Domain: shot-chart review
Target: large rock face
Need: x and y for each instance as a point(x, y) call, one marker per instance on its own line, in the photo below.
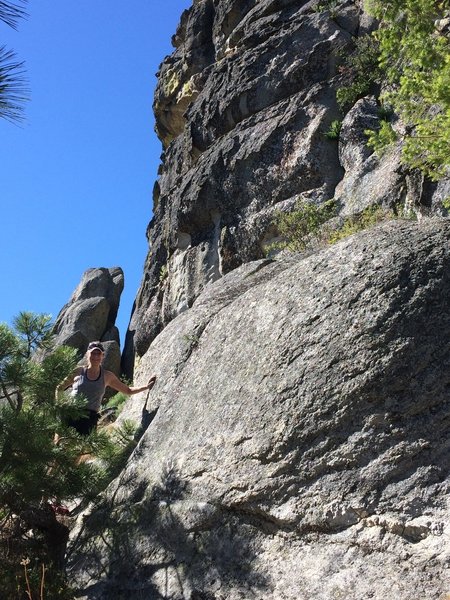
point(242, 107)
point(299, 445)
point(295, 444)
point(91, 312)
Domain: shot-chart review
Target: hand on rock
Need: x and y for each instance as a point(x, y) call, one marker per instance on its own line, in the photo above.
point(151, 382)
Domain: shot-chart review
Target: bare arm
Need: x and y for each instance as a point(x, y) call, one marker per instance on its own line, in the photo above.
point(66, 383)
point(114, 382)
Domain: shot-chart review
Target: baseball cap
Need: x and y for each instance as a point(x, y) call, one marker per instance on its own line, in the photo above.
point(96, 345)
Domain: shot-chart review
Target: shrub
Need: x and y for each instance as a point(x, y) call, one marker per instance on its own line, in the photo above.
point(117, 402)
point(415, 54)
point(37, 474)
point(328, 5)
point(361, 72)
point(348, 95)
point(334, 130)
point(308, 223)
point(446, 203)
point(299, 228)
point(369, 217)
point(379, 140)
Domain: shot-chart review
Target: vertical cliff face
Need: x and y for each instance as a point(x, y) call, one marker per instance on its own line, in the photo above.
point(241, 106)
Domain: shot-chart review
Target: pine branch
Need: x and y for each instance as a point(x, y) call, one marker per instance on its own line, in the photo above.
point(11, 12)
point(13, 89)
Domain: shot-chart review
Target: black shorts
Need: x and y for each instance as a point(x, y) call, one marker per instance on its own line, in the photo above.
point(85, 424)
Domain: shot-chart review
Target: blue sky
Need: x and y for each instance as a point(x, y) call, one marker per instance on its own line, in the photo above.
point(77, 176)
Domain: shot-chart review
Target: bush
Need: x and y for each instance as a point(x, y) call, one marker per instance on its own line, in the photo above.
point(361, 72)
point(328, 5)
point(415, 54)
point(334, 130)
point(446, 203)
point(117, 402)
point(369, 217)
point(36, 472)
point(379, 140)
point(300, 227)
point(347, 96)
point(308, 223)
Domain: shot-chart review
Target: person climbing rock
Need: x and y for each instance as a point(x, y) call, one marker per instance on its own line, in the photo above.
point(90, 382)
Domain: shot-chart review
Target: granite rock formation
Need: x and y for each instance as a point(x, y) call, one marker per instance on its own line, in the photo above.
point(299, 442)
point(295, 446)
point(242, 107)
point(91, 312)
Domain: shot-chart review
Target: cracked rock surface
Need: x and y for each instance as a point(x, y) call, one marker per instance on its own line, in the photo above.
point(299, 441)
point(243, 108)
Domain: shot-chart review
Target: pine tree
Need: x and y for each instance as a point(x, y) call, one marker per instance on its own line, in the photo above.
point(34, 470)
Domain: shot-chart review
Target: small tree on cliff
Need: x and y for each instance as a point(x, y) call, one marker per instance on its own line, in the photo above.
point(415, 54)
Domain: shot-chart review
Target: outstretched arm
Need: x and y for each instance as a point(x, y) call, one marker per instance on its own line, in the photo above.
point(114, 382)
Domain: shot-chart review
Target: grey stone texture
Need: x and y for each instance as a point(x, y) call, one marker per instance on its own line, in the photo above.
point(242, 107)
point(295, 446)
point(298, 445)
point(90, 314)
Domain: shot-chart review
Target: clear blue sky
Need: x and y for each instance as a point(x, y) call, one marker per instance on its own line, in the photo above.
point(77, 177)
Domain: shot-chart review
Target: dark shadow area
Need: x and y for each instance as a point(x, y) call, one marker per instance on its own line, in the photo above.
point(150, 549)
point(147, 417)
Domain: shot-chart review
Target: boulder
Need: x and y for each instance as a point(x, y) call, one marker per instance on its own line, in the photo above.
point(295, 446)
point(91, 312)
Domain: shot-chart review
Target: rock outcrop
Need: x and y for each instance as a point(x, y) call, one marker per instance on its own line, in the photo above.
point(295, 446)
point(242, 108)
point(299, 447)
point(91, 312)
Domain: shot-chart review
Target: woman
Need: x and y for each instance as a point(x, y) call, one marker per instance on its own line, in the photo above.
point(91, 382)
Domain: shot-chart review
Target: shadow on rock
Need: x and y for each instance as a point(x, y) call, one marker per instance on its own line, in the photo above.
point(161, 544)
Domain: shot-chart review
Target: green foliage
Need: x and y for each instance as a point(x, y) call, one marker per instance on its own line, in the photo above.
point(300, 227)
point(117, 402)
point(379, 140)
point(13, 88)
point(385, 112)
point(308, 223)
point(369, 217)
point(446, 203)
point(348, 95)
point(328, 5)
point(34, 470)
point(360, 71)
point(22, 378)
point(334, 130)
point(163, 274)
point(416, 58)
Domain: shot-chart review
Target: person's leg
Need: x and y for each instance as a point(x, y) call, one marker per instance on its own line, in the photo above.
point(82, 425)
point(93, 420)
